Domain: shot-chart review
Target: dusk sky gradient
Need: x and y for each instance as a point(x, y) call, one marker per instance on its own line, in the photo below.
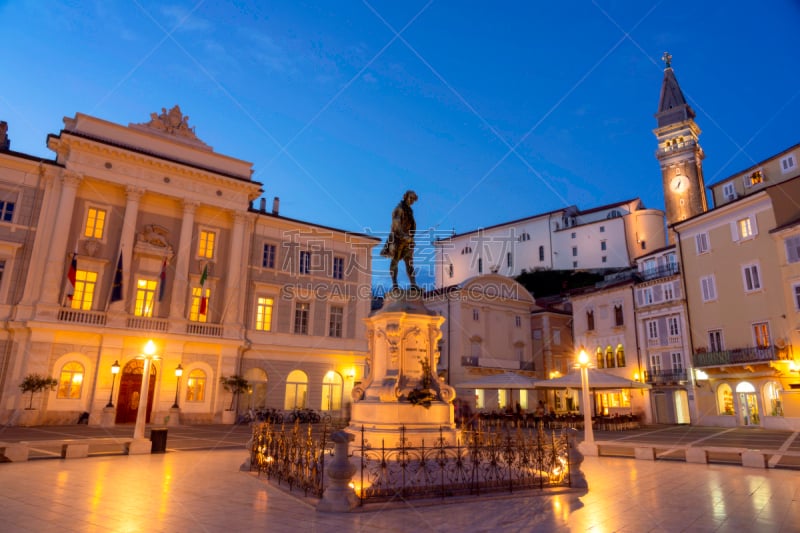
point(490, 111)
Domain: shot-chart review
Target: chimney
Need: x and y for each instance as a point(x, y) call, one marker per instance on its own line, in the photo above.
point(263, 206)
point(276, 204)
point(5, 143)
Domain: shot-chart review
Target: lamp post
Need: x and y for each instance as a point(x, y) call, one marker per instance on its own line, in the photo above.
point(178, 374)
point(149, 355)
point(587, 447)
point(114, 372)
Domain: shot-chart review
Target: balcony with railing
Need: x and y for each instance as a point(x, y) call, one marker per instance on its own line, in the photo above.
point(739, 356)
point(148, 323)
point(78, 316)
point(659, 377)
point(205, 330)
point(659, 272)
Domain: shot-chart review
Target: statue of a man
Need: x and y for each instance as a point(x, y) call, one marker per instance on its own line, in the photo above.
point(400, 243)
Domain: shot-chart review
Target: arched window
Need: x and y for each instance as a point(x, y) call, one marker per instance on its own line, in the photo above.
point(296, 389)
point(331, 391)
point(466, 250)
point(196, 386)
point(609, 357)
point(620, 356)
point(524, 237)
point(541, 252)
point(725, 399)
point(70, 383)
point(600, 359)
point(257, 393)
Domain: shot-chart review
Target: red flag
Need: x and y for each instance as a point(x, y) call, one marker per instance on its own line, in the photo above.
point(71, 275)
point(203, 299)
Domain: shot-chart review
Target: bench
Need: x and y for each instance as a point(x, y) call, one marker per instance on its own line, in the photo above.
point(67, 448)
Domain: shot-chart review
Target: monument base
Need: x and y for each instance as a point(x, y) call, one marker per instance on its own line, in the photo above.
point(384, 423)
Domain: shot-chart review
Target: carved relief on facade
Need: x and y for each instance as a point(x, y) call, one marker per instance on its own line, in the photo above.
point(172, 122)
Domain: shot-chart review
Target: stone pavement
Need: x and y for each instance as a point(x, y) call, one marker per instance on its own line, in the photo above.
point(200, 488)
point(205, 491)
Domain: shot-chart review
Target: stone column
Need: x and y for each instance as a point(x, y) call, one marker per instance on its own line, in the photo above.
point(339, 497)
point(236, 259)
point(185, 250)
point(126, 242)
point(57, 258)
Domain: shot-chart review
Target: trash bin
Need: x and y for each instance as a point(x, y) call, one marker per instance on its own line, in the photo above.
point(158, 438)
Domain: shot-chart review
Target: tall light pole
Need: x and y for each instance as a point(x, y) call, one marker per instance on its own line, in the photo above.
point(178, 374)
point(149, 355)
point(114, 372)
point(587, 447)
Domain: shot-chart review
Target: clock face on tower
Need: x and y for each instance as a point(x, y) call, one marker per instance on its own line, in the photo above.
point(679, 184)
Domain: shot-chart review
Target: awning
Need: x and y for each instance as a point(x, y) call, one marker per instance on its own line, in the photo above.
point(597, 380)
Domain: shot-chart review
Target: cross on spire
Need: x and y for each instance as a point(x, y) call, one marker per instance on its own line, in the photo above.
point(667, 58)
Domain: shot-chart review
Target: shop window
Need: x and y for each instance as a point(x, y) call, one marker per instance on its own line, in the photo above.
point(196, 386)
point(70, 382)
point(296, 390)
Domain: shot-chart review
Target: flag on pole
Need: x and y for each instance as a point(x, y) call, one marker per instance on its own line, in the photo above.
point(203, 299)
point(72, 273)
point(162, 280)
point(116, 288)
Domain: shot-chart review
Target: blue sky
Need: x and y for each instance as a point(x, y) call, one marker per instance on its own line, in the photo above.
point(490, 111)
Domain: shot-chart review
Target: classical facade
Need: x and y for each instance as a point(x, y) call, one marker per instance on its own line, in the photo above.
point(606, 237)
point(143, 232)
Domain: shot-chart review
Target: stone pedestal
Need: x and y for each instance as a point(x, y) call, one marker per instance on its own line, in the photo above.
point(108, 417)
point(338, 496)
point(140, 446)
point(174, 417)
point(401, 388)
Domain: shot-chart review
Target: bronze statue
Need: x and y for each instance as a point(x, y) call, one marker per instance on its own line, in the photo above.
point(400, 243)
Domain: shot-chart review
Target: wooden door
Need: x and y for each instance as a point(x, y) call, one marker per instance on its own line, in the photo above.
point(130, 387)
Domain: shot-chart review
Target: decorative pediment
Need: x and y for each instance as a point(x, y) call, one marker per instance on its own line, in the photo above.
point(174, 123)
point(153, 241)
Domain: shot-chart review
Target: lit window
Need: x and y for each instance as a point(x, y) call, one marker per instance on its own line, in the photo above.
point(95, 223)
point(145, 296)
point(752, 282)
point(6, 211)
point(205, 247)
point(336, 320)
point(305, 262)
point(756, 177)
point(761, 335)
point(296, 390)
point(609, 357)
point(70, 382)
point(199, 309)
point(264, 313)
point(331, 392)
point(745, 228)
point(338, 267)
point(301, 318)
point(268, 258)
point(601, 362)
point(196, 386)
point(620, 356)
point(83, 296)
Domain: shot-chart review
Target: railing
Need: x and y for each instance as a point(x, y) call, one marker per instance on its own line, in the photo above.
point(207, 330)
point(738, 356)
point(660, 272)
point(665, 376)
point(77, 316)
point(478, 462)
point(148, 323)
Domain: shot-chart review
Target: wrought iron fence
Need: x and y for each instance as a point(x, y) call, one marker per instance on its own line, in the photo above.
point(479, 462)
point(292, 456)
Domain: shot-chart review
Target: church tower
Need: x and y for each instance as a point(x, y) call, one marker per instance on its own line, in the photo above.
point(679, 152)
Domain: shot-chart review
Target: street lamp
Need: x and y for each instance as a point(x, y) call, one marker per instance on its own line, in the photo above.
point(149, 355)
point(114, 372)
point(178, 374)
point(587, 447)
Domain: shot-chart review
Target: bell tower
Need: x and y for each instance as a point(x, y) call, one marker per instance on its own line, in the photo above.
point(679, 152)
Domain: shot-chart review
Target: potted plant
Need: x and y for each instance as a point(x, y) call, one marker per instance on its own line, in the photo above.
point(33, 383)
point(236, 385)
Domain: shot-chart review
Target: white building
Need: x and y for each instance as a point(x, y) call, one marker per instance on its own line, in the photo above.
point(611, 236)
point(144, 232)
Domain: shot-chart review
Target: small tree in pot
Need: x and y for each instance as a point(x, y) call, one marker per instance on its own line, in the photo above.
point(235, 385)
point(34, 383)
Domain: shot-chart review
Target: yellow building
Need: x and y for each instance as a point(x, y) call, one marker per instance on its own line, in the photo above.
point(143, 232)
point(740, 266)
